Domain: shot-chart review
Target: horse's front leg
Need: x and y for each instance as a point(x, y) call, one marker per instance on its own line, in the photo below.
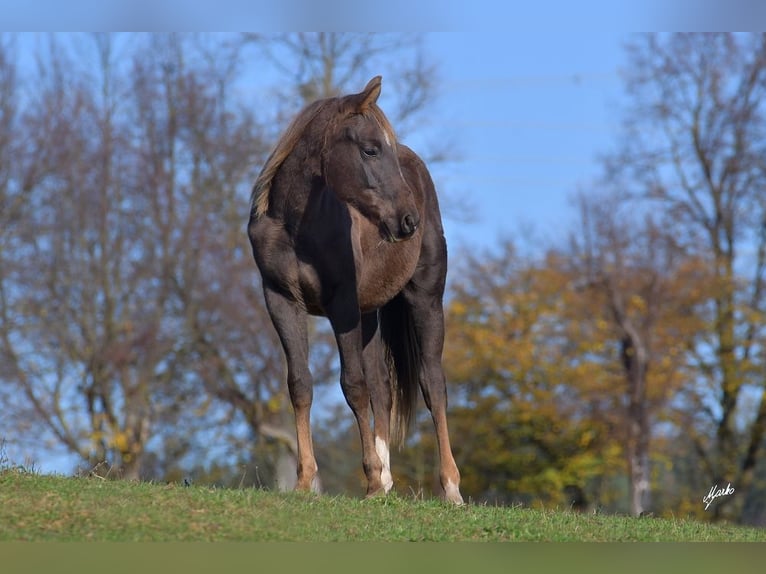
point(291, 324)
point(376, 376)
point(346, 321)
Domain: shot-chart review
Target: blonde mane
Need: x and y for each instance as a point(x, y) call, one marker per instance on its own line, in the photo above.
point(259, 198)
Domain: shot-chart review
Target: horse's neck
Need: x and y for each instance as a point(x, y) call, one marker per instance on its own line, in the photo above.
point(293, 189)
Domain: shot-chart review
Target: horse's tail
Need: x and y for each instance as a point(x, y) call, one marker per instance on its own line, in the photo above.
point(402, 355)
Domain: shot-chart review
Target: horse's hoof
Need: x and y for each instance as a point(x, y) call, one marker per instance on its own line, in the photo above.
point(452, 494)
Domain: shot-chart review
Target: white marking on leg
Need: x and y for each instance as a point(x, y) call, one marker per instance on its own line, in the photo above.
point(452, 493)
point(385, 475)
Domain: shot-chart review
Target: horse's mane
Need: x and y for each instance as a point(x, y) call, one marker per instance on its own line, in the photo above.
point(259, 198)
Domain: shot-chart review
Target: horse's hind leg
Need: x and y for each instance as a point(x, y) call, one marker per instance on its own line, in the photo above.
point(428, 322)
point(291, 324)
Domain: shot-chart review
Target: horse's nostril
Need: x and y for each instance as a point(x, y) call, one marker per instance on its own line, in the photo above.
point(409, 225)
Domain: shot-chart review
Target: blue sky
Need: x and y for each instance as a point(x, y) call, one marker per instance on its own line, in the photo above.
point(502, 17)
point(530, 113)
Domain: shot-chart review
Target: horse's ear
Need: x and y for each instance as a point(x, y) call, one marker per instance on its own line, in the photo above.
point(364, 99)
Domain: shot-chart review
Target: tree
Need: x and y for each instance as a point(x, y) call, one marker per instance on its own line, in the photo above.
point(637, 280)
point(199, 148)
point(14, 166)
point(532, 402)
point(694, 148)
point(316, 65)
point(116, 199)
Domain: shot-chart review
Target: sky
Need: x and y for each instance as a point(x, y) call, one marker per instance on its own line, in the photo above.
point(502, 17)
point(530, 114)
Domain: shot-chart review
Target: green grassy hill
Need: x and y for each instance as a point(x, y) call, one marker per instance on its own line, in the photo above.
point(53, 508)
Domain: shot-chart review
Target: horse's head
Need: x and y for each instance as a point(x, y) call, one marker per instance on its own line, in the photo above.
point(361, 165)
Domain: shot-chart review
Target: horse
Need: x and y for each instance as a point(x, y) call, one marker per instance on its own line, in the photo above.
point(345, 223)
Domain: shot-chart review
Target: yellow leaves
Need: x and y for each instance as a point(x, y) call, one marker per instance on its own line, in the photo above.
point(97, 436)
point(601, 325)
point(117, 439)
point(458, 308)
point(586, 438)
point(274, 404)
point(120, 441)
point(499, 332)
point(553, 478)
point(637, 304)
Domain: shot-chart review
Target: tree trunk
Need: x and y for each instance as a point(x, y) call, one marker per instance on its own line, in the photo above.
point(635, 362)
point(638, 464)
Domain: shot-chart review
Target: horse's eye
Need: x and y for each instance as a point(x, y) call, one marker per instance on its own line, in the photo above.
point(370, 151)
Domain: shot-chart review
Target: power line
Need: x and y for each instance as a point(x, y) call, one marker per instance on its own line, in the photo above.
point(575, 79)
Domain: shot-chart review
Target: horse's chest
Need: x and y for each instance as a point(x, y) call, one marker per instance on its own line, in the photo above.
point(333, 261)
point(378, 278)
point(383, 273)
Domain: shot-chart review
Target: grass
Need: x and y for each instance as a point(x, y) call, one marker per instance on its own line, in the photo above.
point(54, 508)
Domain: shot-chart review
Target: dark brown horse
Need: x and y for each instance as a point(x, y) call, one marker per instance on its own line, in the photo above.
point(345, 223)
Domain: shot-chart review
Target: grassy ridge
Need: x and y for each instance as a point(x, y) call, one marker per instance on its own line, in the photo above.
point(54, 508)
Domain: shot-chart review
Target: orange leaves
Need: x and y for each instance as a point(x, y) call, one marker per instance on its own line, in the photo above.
point(537, 400)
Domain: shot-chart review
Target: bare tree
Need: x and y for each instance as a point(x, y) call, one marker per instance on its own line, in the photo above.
point(93, 347)
point(317, 65)
point(14, 204)
point(694, 147)
point(121, 198)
